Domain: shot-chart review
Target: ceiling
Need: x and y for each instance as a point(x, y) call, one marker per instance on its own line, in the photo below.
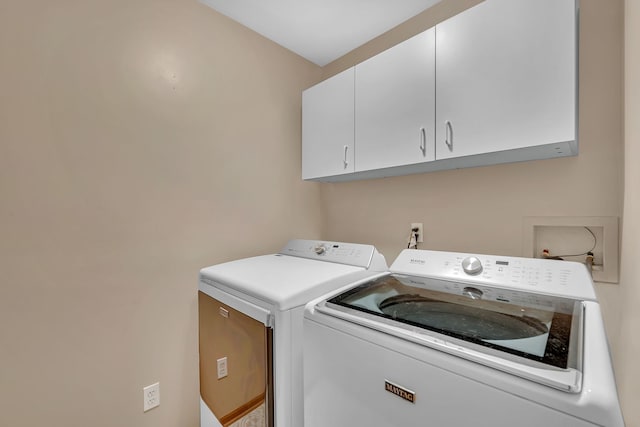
point(320, 30)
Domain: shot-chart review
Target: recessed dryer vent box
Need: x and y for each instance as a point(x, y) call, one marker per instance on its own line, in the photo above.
point(571, 237)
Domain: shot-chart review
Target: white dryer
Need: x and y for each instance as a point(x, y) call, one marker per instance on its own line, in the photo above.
point(250, 327)
point(457, 340)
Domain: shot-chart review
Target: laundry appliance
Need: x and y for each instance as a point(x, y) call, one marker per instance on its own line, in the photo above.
point(451, 339)
point(250, 327)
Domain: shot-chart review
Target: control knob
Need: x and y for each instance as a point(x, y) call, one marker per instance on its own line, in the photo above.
point(473, 293)
point(472, 265)
point(320, 249)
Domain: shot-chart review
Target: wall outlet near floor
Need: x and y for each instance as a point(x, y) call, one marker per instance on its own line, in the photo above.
point(567, 236)
point(151, 396)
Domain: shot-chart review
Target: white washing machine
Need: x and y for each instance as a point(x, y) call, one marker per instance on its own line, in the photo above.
point(450, 339)
point(250, 327)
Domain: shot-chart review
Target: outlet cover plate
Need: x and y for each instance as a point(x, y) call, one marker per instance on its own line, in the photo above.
point(420, 227)
point(222, 367)
point(151, 396)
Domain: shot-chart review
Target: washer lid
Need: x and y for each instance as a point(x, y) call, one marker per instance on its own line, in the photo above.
point(536, 330)
point(461, 319)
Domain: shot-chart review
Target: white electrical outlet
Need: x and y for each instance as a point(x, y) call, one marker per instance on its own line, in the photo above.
point(418, 225)
point(151, 396)
point(222, 368)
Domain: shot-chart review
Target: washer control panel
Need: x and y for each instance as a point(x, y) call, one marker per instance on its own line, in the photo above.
point(338, 252)
point(563, 278)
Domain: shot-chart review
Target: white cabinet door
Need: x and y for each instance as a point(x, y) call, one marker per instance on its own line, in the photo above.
point(506, 77)
point(395, 105)
point(327, 127)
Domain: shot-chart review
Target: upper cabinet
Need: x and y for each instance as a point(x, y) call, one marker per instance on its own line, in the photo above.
point(506, 77)
point(395, 105)
point(327, 127)
point(496, 83)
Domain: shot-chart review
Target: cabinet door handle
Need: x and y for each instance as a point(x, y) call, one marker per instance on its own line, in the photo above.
point(345, 163)
point(423, 141)
point(449, 135)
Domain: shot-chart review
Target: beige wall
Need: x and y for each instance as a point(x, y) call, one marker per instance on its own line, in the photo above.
point(139, 141)
point(142, 140)
point(628, 370)
point(481, 209)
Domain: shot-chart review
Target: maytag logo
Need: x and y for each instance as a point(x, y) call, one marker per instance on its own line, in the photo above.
point(417, 261)
point(402, 392)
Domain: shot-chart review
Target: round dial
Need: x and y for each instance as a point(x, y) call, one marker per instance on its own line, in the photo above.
point(472, 265)
point(320, 249)
point(473, 293)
